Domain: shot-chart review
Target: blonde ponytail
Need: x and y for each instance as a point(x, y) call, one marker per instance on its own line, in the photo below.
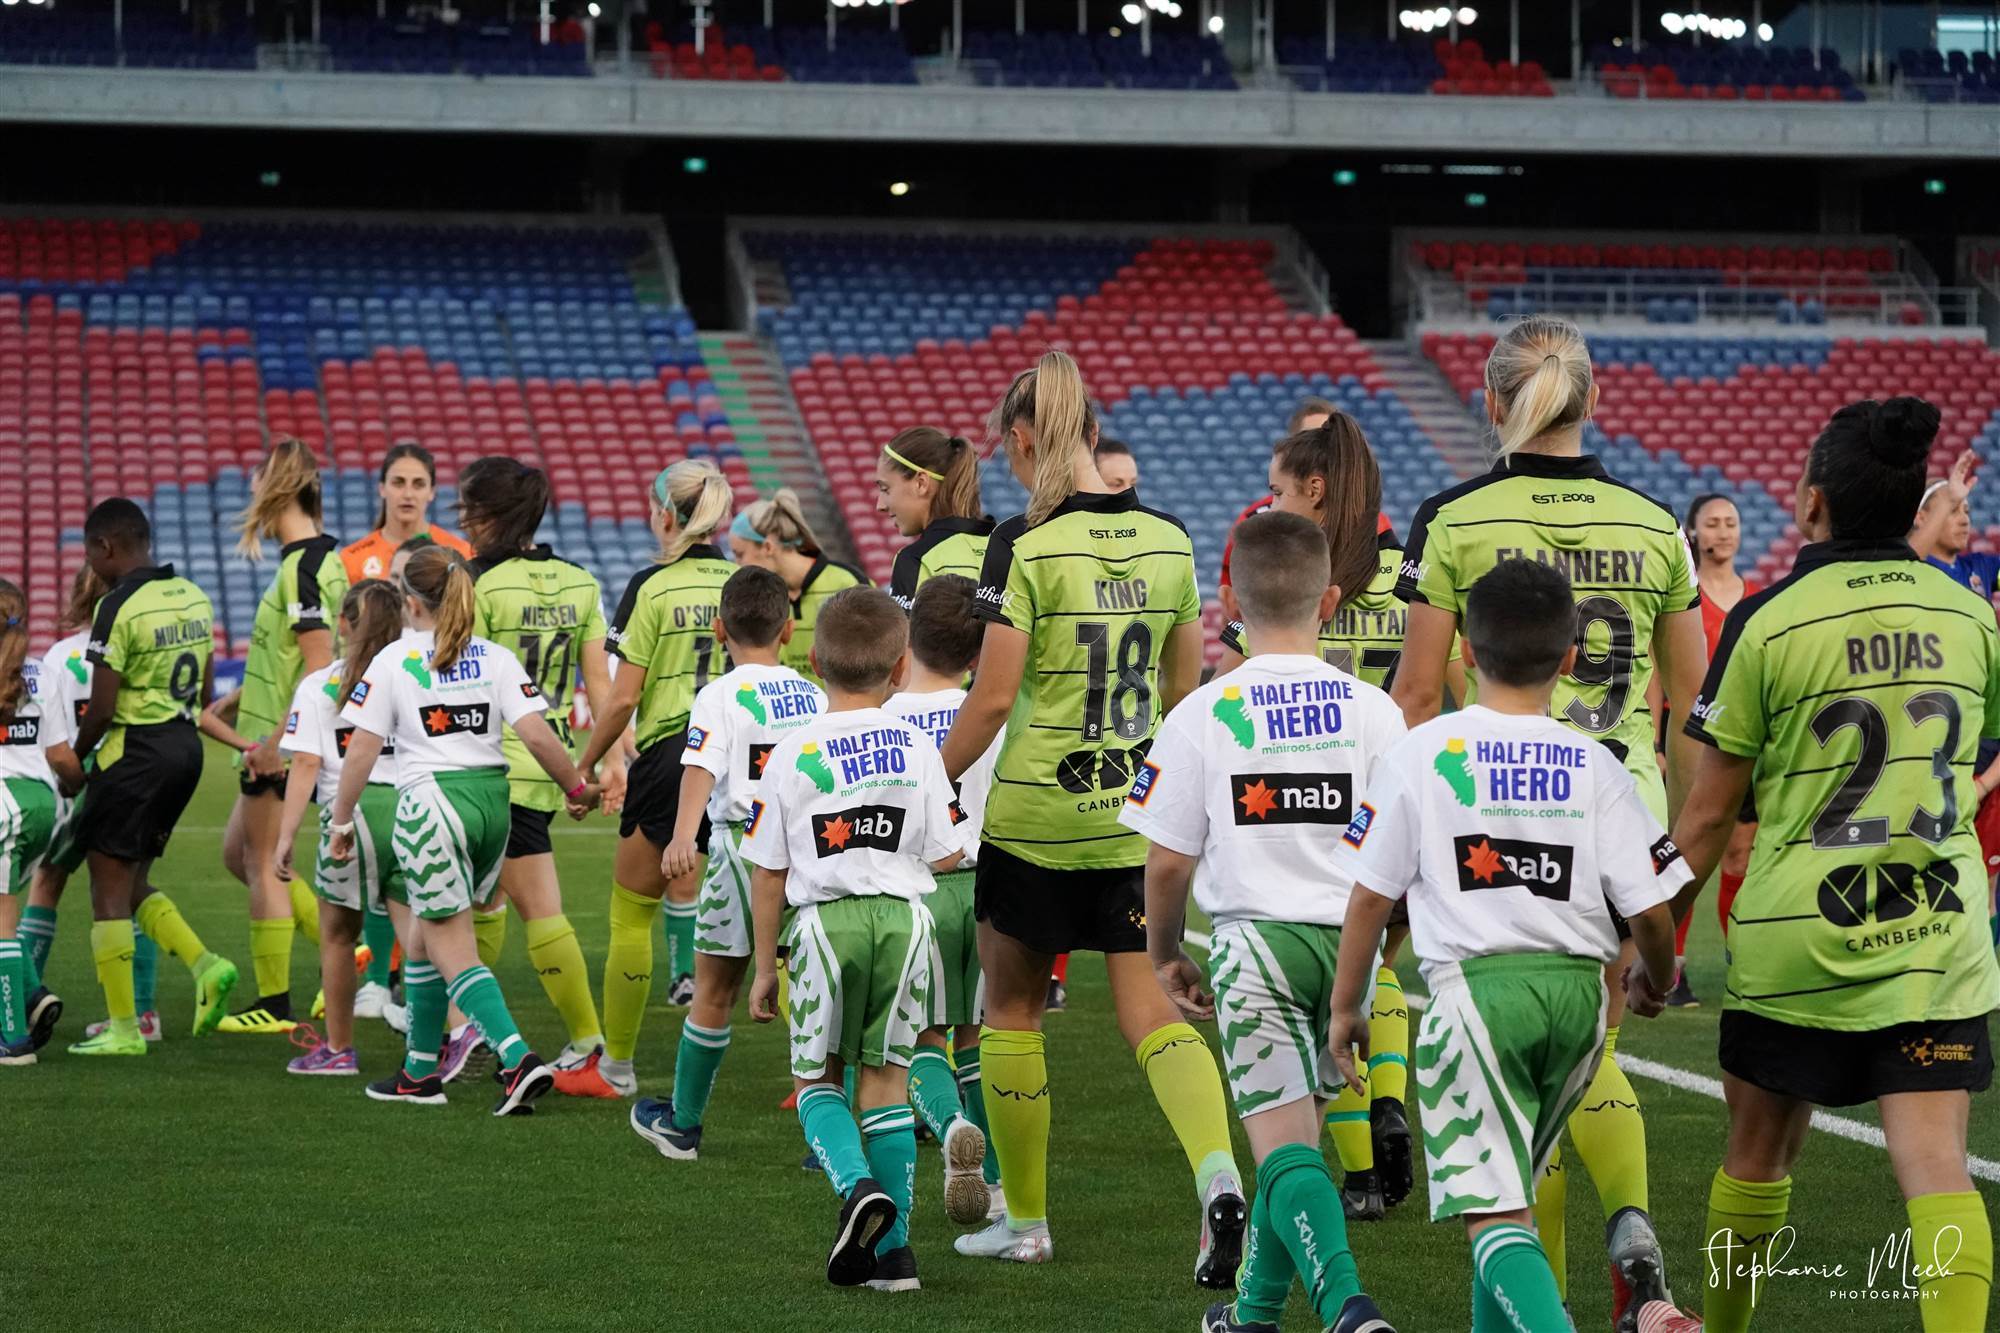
point(699, 495)
point(288, 475)
point(1539, 375)
point(781, 519)
point(13, 648)
point(437, 577)
point(1051, 400)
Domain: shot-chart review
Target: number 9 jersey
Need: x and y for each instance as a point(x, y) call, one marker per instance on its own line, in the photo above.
point(1626, 561)
point(1096, 586)
point(1861, 684)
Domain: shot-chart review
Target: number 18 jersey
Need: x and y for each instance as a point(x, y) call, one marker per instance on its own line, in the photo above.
point(1096, 586)
point(1860, 684)
point(543, 610)
point(1626, 561)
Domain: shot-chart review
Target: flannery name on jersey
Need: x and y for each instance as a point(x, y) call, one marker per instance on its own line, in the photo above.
point(1894, 654)
point(180, 632)
point(1584, 565)
point(885, 751)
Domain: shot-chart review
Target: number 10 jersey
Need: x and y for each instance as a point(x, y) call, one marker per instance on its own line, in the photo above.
point(1096, 586)
point(544, 610)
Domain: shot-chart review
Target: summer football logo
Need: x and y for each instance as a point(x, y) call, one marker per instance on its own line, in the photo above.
point(419, 671)
point(1231, 712)
point(813, 764)
point(747, 696)
point(1454, 765)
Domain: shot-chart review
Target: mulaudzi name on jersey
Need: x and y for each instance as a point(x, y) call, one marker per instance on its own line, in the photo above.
point(1542, 868)
point(175, 634)
point(1291, 798)
point(879, 827)
point(470, 719)
point(1894, 654)
point(22, 731)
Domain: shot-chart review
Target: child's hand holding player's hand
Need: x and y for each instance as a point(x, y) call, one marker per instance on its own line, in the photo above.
point(281, 862)
point(1347, 1034)
point(764, 997)
point(1181, 979)
point(1640, 997)
point(680, 858)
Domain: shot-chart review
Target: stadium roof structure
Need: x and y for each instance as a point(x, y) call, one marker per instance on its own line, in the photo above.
point(1252, 118)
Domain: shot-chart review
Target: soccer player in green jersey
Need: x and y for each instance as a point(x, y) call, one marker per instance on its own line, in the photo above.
point(1093, 631)
point(548, 613)
point(151, 651)
point(1851, 696)
point(1637, 608)
point(774, 533)
point(928, 483)
point(291, 635)
point(663, 635)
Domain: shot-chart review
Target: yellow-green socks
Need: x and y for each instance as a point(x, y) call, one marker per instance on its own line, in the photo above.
point(1749, 1213)
point(1388, 1040)
point(1552, 1218)
point(305, 908)
point(489, 931)
point(111, 949)
point(271, 958)
point(166, 927)
point(1016, 1076)
point(1951, 1231)
point(1347, 1122)
point(1610, 1135)
point(558, 960)
point(628, 970)
point(1189, 1089)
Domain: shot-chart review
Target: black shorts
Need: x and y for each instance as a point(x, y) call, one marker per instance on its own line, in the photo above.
point(528, 831)
point(251, 785)
point(130, 808)
point(1747, 812)
point(1829, 1068)
point(1061, 911)
point(653, 794)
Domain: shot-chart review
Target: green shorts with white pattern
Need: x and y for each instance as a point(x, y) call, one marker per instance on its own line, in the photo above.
point(861, 982)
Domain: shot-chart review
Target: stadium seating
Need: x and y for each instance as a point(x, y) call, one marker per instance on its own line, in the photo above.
point(1068, 59)
point(1936, 76)
point(1726, 73)
point(426, 46)
point(1442, 67)
point(1679, 416)
point(79, 32)
point(153, 359)
point(1192, 353)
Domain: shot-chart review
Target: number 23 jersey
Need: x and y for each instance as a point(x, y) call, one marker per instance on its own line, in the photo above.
point(1861, 684)
point(1096, 586)
point(1626, 562)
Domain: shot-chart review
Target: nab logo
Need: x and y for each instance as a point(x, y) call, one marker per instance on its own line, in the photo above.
point(1291, 798)
point(1665, 853)
point(344, 737)
point(1541, 868)
point(877, 827)
point(23, 731)
point(760, 755)
point(468, 719)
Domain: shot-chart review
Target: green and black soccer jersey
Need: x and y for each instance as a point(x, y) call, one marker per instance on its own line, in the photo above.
point(948, 546)
point(155, 629)
point(543, 610)
point(1861, 684)
point(823, 580)
point(303, 595)
point(1627, 563)
point(665, 624)
point(1097, 586)
point(1365, 636)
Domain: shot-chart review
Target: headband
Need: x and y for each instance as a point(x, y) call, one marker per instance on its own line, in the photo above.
point(1931, 490)
point(744, 529)
point(682, 513)
point(914, 467)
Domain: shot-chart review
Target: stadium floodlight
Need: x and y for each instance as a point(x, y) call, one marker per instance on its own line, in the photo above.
point(1173, 9)
point(899, 188)
point(1672, 23)
point(1765, 32)
point(1215, 23)
point(596, 10)
point(1133, 14)
point(1467, 15)
point(10, 3)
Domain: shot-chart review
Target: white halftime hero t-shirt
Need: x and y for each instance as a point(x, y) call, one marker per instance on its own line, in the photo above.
point(853, 805)
point(21, 735)
point(1257, 774)
point(64, 686)
point(442, 721)
point(315, 727)
point(736, 720)
point(933, 714)
point(1508, 833)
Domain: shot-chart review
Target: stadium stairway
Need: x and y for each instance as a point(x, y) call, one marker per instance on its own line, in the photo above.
point(1435, 406)
point(769, 431)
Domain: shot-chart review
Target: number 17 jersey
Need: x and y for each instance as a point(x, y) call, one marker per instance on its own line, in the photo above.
point(1096, 586)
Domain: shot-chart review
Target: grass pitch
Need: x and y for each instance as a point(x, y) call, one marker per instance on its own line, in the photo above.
point(202, 1187)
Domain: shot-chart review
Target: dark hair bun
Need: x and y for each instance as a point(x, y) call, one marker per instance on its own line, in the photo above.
point(1900, 431)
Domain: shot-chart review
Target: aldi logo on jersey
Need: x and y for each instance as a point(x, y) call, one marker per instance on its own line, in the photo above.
point(873, 827)
point(292, 723)
point(1542, 868)
point(760, 754)
point(360, 695)
point(1357, 831)
point(23, 731)
point(697, 737)
point(1291, 798)
point(1142, 785)
point(465, 719)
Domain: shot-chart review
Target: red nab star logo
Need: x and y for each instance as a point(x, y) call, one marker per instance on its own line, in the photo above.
point(1257, 800)
point(836, 833)
point(436, 721)
point(1482, 861)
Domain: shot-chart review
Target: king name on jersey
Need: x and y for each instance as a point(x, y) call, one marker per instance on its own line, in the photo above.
point(1485, 862)
point(876, 827)
point(882, 751)
point(1585, 564)
point(1119, 594)
point(1291, 798)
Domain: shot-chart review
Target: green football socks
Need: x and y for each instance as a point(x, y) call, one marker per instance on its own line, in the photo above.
point(1513, 1289)
point(972, 1096)
point(680, 940)
point(696, 1064)
point(934, 1090)
point(889, 1140)
point(13, 990)
point(378, 932)
point(423, 990)
point(478, 997)
point(833, 1136)
point(38, 934)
